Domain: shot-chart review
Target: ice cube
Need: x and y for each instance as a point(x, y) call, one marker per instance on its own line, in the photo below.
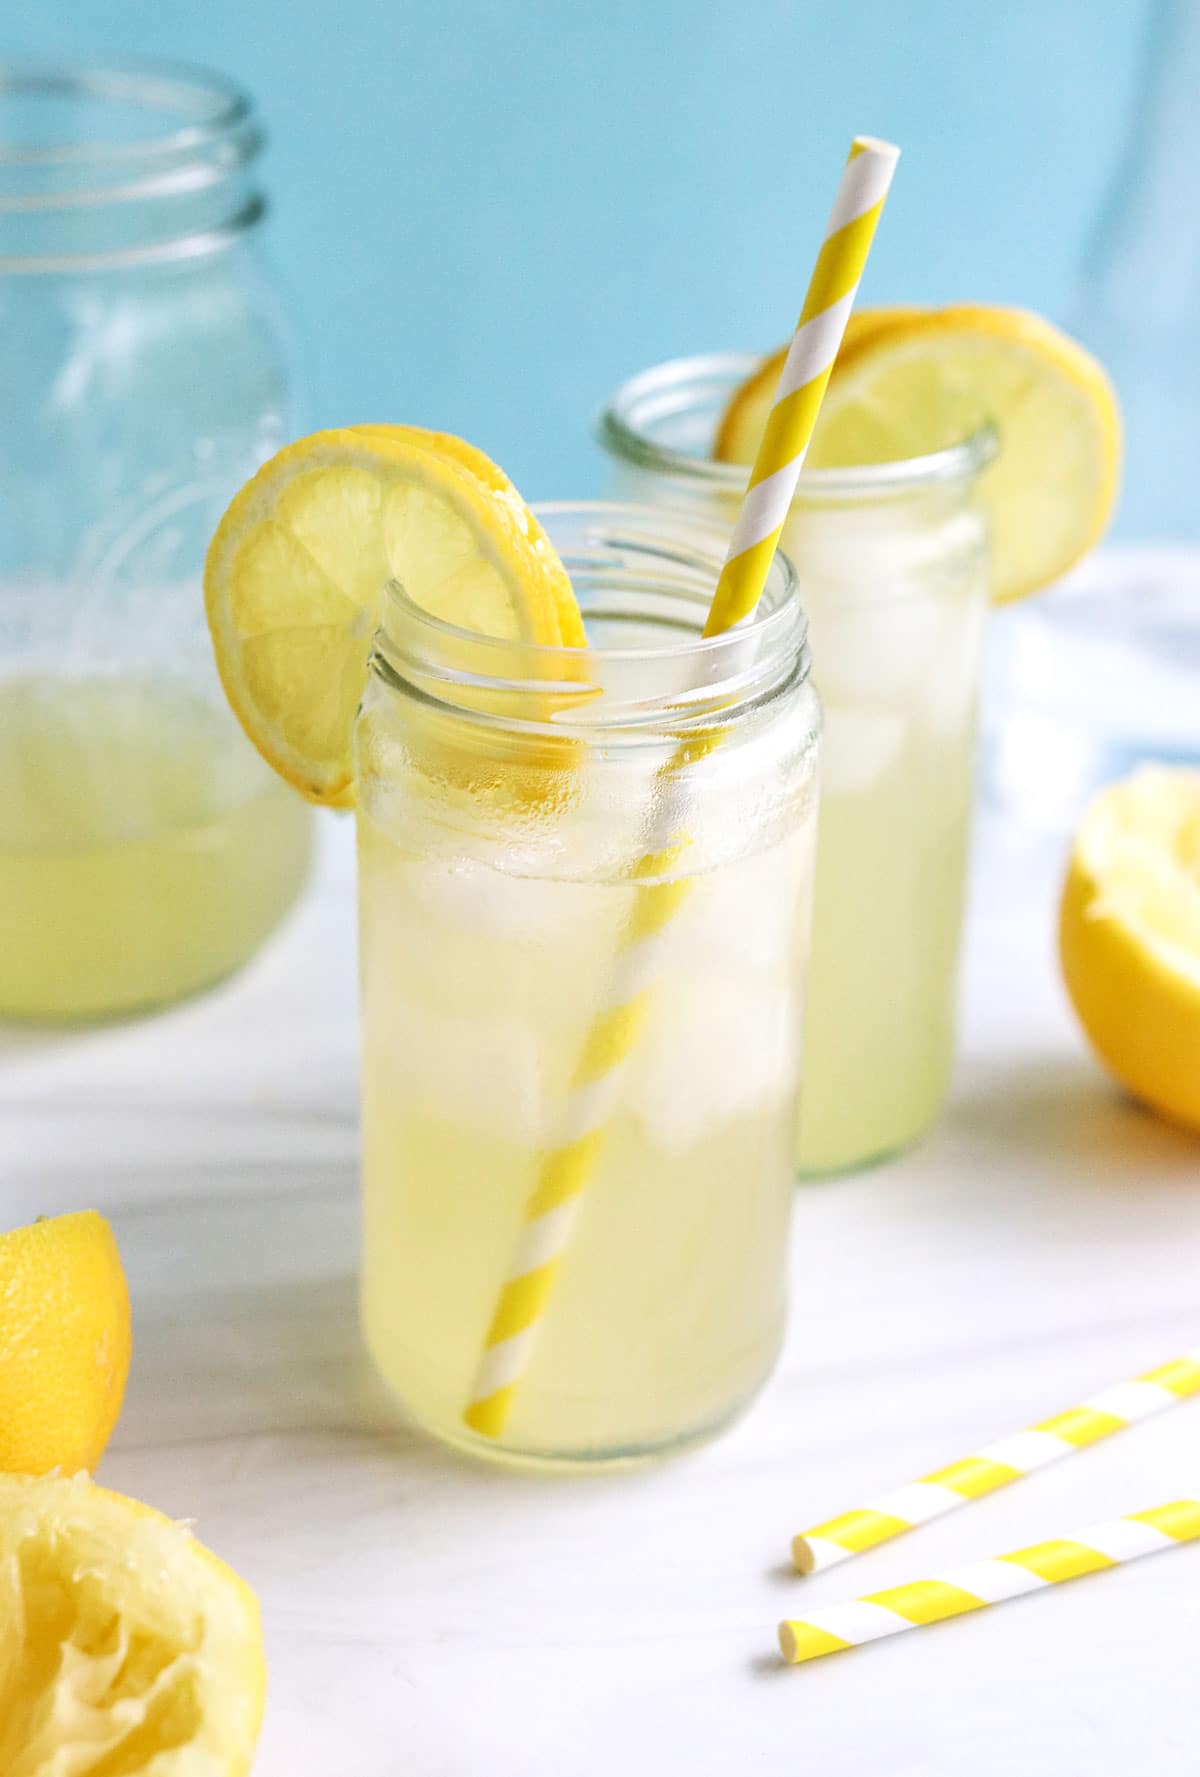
point(952, 680)
point(714, 1048)
point(481, 1072)
point(860, 747)
point(746, 915)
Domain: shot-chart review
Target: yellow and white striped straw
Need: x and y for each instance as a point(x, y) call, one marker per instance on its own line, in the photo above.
point(789, 428)
point(997, 1465)
point(567, 1167)
point(980, 1583)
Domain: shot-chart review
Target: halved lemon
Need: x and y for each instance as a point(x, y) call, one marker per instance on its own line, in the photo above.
point(927, 381)
point(65, 1342)
point(296, 570)
point(125, 1646)
point(1129, 936)
point(741, 425)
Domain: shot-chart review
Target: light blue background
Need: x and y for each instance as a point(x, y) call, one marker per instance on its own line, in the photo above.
point(486, 215)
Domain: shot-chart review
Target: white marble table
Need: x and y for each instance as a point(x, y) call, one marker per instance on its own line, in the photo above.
point(426, 1616)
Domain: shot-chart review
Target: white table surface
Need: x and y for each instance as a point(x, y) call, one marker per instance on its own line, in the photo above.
point(427, 1616)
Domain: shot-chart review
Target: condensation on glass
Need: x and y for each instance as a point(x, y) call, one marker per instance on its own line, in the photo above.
point(892, 562)
point(508, 797)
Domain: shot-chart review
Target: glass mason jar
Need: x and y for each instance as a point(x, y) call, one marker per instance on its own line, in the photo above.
point(584, 902)
point(893, 568)
point(145, 851)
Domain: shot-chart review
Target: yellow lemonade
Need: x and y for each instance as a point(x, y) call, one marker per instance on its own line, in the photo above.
point(144, 850)
point(896, 594)
point(479, 989)
point(584, 896)
point(573, 1105)
point(892, 562)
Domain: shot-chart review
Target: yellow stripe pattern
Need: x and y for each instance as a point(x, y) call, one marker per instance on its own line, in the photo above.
point(983, 1583)
point(810, 360)
point(825, 1545)
point(567, 1167)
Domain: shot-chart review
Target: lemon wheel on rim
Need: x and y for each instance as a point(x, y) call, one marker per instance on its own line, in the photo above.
point(911, 382)
point(296, 570)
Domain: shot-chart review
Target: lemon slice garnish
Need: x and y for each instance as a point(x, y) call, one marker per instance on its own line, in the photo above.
point(296, 571)
point(469, 456)
point(911, 382)
point(929, 381)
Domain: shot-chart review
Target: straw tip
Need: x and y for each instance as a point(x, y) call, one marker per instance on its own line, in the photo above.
point(488, 1415)
point(877, 146)
point(789, 1647)
point(804, 1559)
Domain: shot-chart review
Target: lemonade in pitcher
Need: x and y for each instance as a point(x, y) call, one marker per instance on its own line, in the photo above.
point(144, 850)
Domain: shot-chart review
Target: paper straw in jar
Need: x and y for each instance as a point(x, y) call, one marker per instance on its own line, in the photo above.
point(803, 379)
point(997, 1465)
point(566, 1169)
point(980, 1583)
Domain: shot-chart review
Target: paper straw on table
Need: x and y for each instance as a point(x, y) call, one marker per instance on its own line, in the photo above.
point(981, 1583)
point(567, 1167)
point(997, 1465)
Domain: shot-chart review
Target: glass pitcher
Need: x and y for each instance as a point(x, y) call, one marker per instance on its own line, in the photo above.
point(145, 851)
point(1138, 302)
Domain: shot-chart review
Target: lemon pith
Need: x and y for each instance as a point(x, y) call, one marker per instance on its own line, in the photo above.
point(296, 570)
point(1129, 936)
point(65, 1343)
point(124, 1643)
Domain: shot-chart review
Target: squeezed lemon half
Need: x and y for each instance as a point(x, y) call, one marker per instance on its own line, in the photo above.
point(1129, 936)
point(125, 1646)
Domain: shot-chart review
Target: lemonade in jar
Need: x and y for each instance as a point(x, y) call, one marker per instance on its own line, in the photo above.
point(893, 569)
point(963, 457)
point(586, 835)
point(495, 886)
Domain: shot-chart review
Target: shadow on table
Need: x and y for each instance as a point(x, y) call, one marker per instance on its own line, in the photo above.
point(283, 1365)
point(25, 1042)
point(1064, 1112)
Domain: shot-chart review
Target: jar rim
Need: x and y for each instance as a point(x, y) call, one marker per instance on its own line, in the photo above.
point(592, 685)
point(623, 429)
point(154, 173)
point(149, 85)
